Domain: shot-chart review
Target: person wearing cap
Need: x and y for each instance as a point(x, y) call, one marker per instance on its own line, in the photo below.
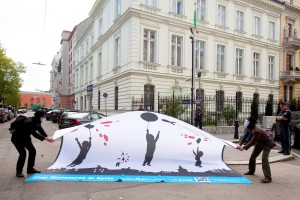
point(22, 141)
point(283, 119)
point(198, 116)
point(262, 143)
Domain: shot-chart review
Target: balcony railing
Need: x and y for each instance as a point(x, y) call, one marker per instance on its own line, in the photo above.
point(290, 76)
point(292, 42)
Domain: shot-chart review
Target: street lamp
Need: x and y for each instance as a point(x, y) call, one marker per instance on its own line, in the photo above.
point(192, 88)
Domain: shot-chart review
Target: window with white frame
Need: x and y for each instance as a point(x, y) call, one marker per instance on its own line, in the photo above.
point(220, 58)
point(86, 75)
point(86, 46)
point(117, 51)
point(256, 62)
point(118, 8)
point(201, 10)
point(271, 67)
point(239, 61)
point(240, 20)
point(150, 3)
point(257, 25)
point(176, 52)
point(81, 76)
point(178, 6)
point(222, 15)
point(77, 80)
point(200, 54)
point(272, 30)
point(149, 49)
point(91, 72)
point(100, 27)
point(99, 69)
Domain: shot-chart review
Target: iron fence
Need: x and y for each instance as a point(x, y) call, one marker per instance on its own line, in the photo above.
point(217, 109)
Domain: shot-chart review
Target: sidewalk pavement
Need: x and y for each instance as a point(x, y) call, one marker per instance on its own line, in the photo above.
point(236, 157)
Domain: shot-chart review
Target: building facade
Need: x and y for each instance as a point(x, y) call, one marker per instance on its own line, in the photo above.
point(36, 98)
point(138, 49)
point(290, 60)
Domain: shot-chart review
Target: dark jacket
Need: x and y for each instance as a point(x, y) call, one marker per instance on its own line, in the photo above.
point(260, 137)
point(29, 127)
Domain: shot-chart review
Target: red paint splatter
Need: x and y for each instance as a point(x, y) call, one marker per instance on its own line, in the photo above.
point(189, 143)
point(104, 143)
point(97, 130)
point(107, 125)
point(74, 130)
point(106, 122)
point(105, 138)
point(100, 135)
point(192, 137)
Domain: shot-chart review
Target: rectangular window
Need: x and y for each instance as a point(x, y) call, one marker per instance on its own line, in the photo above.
point(118, 8)
point(272, 30)
point(117, 52)
point(271, 67)
point(200, 54)
point(178, 6)
point(221, 15)
point(100, 27)
point(151, 3)
point(176, 57)
point(201, 10)
point(81, 77)
point(256, 61)
point(240, 20)
point(86, 75)
point(149, 52)
point(91, 72)
point(239, 61)
point(257, 26)
point(220, 58)
point(99, 71)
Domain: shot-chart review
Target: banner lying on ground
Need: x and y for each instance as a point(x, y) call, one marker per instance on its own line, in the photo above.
point(140, 146)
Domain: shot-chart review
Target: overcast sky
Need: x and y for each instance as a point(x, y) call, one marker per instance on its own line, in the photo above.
point(22, 35)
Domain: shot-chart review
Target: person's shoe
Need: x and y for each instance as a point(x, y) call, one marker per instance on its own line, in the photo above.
point(265, 180)
point(249, 173)
point(20, 175)
point(280, 151)
point(33, 171)
point(286, 153)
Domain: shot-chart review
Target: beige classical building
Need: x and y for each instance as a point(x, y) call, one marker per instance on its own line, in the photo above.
point(142, 49)
point(290, 55)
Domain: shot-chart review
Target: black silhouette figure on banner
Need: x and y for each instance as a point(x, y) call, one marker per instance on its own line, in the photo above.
point(198, 155)
point(151, 146)
point(151, 142)
point(84, 149)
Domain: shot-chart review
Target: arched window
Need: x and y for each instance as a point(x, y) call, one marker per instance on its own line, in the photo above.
point(149, 97)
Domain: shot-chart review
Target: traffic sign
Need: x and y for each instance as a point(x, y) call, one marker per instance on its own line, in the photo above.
point(105, 95)
point(89, 88)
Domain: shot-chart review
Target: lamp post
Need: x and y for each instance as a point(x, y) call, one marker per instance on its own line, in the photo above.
point(192, 88)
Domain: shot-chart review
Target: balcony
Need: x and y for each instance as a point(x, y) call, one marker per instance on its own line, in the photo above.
point(290, 76)
point(292, 43)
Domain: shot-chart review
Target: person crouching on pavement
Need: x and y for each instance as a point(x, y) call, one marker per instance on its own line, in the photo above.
point(22, 141)
point(263, 143)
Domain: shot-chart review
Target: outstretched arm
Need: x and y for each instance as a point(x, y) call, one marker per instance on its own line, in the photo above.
point(157, 136)
point(78, 143)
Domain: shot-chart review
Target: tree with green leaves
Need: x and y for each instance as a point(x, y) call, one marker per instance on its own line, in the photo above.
point(10, 79)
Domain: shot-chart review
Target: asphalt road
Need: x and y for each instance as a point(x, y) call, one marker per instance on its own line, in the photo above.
point(285, 183)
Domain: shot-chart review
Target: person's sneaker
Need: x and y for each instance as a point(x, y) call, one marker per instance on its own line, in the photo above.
point(33, 171)
point(280, 151)
point(249, 173)
point(286, 153)
point(20, 175)
point(265, 180)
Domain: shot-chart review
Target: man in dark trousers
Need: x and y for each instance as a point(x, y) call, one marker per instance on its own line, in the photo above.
point(263, 143)
point(22, 141)
point(283, 119)
point(198, 116)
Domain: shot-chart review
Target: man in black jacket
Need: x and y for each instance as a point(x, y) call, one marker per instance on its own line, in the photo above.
point(22, 140)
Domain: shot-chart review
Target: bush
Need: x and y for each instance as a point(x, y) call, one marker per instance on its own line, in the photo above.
point(229, 113)
point(174, 109)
